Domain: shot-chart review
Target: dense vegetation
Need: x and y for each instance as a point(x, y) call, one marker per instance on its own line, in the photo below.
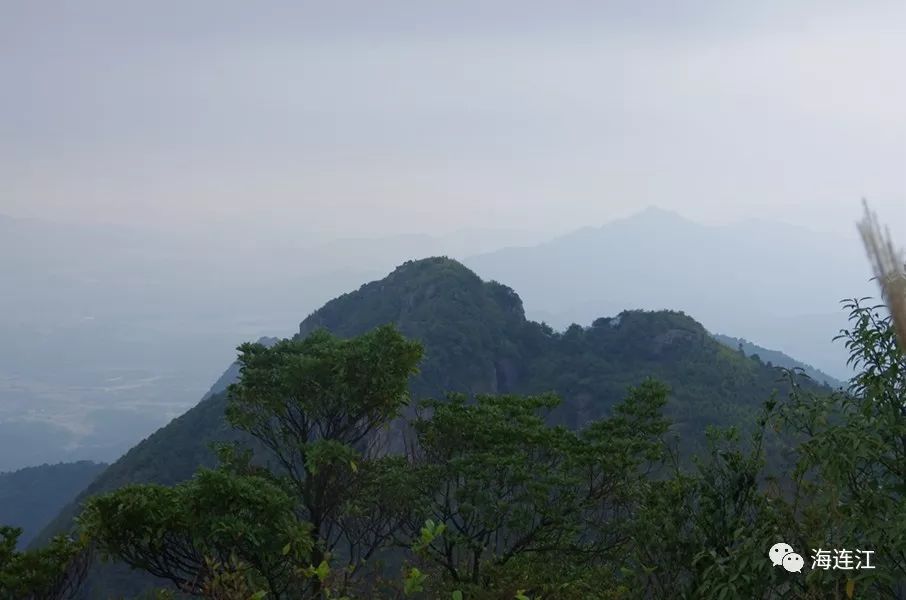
point(55, 571)
point(477, 340)
point(492, 501)
point(507, 490)
point(31, 497)
point(778, 359)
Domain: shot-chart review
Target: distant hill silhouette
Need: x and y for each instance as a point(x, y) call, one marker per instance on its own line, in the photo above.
point(31, 497)
point(775, 284)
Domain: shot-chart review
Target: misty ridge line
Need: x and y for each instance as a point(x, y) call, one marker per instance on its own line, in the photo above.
point(157, 318)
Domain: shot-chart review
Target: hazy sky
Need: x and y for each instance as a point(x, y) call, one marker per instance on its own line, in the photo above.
point(385, 116)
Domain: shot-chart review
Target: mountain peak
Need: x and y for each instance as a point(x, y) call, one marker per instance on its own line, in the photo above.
point(652, 219)
point(433, 267)
point(414, 294)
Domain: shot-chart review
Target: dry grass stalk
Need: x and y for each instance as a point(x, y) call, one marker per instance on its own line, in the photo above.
point(889, 268)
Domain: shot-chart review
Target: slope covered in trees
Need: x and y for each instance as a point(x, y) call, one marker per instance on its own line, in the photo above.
point(777, 359)
point(490, 501)
point(477, 340)
point(755, 279)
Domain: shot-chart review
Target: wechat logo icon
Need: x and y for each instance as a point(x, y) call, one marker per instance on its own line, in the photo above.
point(781, 554)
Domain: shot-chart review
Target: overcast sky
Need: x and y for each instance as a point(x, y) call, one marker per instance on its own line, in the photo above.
point(385, 116)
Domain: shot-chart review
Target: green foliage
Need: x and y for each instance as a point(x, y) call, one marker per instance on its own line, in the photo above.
point(414, 581)
point(170, 456)
point(511, 498)
point(778, 359)
point(192, 534)
point(508, 489)
point(847, 489)
point(429, 533)
point(702, 534)
point(317, 405)
point(476, 340)
point(54, 572)
point(851, 470)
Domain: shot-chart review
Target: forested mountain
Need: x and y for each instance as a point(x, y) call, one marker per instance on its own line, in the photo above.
point(478, 340)
point(778, 359)
point(31, 497)
point(761, 280)
point(138, 306)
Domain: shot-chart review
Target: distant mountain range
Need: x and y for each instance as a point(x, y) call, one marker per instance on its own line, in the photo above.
point(771, 283)
point(31, 497)
point(477, 339)
point(112, 332)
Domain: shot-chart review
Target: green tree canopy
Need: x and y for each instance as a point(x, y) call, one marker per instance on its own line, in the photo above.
point(54, 572)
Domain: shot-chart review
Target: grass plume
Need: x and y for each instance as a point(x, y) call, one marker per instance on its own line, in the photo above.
point(889, 268)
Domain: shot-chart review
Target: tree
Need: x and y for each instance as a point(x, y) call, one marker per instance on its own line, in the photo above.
point(217, 525)
point(700, 533)
point(54, 572)
point(512, 503)
point(318, 406)
point(851, 468)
